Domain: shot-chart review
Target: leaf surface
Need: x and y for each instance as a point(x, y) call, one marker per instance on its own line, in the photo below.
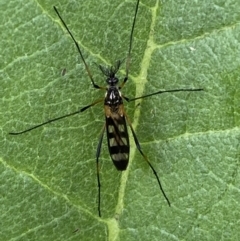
point(48, 176)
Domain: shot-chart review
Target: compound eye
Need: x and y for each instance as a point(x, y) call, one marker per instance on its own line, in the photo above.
point(112, 81)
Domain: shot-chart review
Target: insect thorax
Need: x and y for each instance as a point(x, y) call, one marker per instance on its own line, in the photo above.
point(113, 98)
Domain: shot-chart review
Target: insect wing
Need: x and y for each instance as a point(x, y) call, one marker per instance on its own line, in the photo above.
point(118, 140)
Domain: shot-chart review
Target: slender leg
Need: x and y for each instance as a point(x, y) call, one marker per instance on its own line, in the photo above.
point(97, 163)
point(58, 118)
point(79, 51)
point(161, 92)
point(130, 46)
point(146, 159)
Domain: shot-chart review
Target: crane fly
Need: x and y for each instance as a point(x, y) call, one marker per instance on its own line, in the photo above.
point(116, 119)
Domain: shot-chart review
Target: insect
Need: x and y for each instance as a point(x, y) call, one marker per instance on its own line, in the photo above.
point(116, 119)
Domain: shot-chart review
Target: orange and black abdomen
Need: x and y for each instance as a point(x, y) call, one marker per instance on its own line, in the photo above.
point(118, 141)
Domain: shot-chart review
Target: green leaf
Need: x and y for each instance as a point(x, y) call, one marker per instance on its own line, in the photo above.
point(48, 176)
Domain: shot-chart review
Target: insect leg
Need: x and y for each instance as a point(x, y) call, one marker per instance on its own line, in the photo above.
point(58, 118)
point(161, 92)
point(79, 51)
point(146, 159)
point(130, 45)
point(97, 163)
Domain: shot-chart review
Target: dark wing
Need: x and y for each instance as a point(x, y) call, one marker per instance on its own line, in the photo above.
point(118, 140)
